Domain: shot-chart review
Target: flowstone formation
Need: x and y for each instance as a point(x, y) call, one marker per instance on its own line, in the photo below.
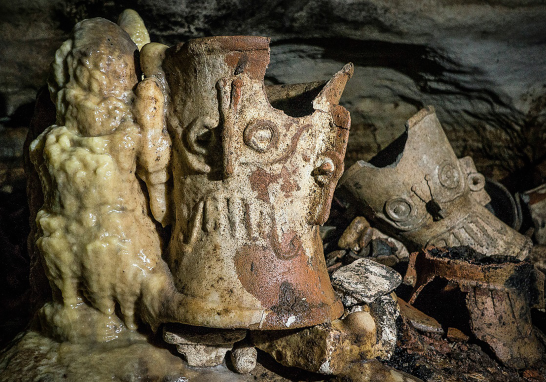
point(98, 244)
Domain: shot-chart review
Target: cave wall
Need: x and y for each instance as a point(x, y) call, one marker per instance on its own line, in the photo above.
point(482, 64)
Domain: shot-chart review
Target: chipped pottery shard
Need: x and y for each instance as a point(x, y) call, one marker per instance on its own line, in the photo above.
point(252, 184)
point(418, 319)
point(351, 237)
point(365, 280)
point(243, 358)
point(497, 294)
point(418, 187)
point(373, 371)
point(325, 348)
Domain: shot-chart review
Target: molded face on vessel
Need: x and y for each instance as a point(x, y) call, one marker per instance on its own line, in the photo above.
point(419, 187)
point(251, 185)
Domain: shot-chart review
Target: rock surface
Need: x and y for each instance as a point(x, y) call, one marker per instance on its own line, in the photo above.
point(203, 347)
point(326, 348)
point(481, 64)
point(243, 358)
point(365, 280)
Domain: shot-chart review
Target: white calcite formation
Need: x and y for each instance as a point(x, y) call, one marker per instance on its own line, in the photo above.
point(99, 246)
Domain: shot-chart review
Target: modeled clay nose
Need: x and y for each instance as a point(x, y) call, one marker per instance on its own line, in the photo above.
point(324, 171)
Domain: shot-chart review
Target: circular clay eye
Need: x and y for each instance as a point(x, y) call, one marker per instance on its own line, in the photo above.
point(476, 181)
point(398, 209)
point(449, 176)
point(260, 135)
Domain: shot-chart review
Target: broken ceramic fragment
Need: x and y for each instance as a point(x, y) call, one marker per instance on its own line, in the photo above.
point(419, 188)
point(497, 295)
point(418, 319)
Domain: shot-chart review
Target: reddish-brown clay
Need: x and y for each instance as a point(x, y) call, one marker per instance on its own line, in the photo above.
point(251, 185)
point(497, 294)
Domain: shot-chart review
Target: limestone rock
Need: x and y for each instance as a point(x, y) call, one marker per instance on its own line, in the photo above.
point(132, 23)
point(385, 311)
point(351, 238)
point(243, 358)
point(130, 357)
point(203, 355)
point(365, 332)
point(326, 348)
point(202, 347)
point(365, 280)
